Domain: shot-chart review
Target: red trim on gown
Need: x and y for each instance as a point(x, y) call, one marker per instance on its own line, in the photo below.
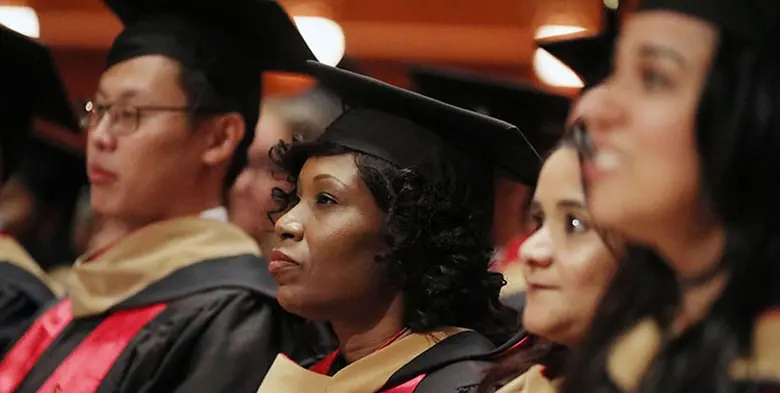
point(84, 369)
point(324, 365)
point(26, 352)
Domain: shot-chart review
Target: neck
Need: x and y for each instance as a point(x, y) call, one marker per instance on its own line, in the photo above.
point(693, 256)
point(361, 335)
point(697, 302)
point(693, 253)
point(195, 204)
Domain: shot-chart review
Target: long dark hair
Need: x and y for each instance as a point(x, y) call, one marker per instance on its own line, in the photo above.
point(738, 142)
point(536, 350)
point(432, 249)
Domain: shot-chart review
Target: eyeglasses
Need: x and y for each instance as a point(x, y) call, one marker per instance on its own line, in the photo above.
point(581, 138)
point(124, 119)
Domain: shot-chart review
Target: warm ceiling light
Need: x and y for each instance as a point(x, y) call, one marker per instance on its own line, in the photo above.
point(549, 31)
point(612, 4)
point(553, 72)
point(324, 36)
point(20, 19)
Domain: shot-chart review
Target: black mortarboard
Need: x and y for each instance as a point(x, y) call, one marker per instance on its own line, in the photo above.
point(540, 115)
point(31, 88)
point(414, 131)
point(754, 20)
point(231, 42)
point(590, 57)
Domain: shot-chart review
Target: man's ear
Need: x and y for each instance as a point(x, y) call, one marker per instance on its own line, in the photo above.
point(225, 134)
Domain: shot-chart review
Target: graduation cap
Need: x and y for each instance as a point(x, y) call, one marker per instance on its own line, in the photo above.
point(414, 131)
point(540, 115)
point(187, 30)
point(754, 20)
point(590, 57)
point(32, 93)
point(230, 42)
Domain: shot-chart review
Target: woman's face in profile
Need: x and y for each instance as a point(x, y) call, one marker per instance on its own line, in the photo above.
point(644, 174)
point(566, 264)
point(324, 264)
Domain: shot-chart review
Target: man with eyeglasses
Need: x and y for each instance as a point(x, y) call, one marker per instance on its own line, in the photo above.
point(183, 302)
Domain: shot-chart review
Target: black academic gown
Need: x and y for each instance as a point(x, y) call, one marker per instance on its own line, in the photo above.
point(757, 372)
point(23, 292)
point(211, 324)
point(455, 365)
point(443, 361)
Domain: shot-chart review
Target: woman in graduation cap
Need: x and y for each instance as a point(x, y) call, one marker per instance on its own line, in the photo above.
point(387, 238)
point(183, 302)
point(568, 262)
point(680, 155)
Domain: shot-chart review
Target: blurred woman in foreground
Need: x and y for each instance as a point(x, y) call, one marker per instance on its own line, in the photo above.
point(681, 156)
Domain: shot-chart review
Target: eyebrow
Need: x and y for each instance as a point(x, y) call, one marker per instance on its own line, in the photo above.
point(123, 96)
point(325, 176)
point(659, 51)
point(570, 203)
point(320, 177)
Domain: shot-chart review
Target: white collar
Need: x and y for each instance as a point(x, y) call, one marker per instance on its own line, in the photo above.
point(219, 213)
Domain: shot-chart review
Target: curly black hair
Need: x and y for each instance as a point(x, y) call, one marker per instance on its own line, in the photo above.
point(433, 249)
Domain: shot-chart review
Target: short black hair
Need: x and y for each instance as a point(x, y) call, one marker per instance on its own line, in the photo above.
point(203, 99)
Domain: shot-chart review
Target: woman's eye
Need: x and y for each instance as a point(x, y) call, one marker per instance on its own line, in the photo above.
point(325, 199)
point(652, 80)
point(576, 225)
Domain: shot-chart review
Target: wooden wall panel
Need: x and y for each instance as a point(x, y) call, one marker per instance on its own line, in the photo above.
point(80, 69)
point(491, 32)
point(494, 37)
point(493, 12)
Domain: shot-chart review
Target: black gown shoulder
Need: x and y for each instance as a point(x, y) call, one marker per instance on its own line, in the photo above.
point(22, 296)
point(455, 365)
point(220, 331)
point(218, 340)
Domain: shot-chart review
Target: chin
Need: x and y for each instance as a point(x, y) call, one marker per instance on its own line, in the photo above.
point(538, 318)
point(295, 302)
point(114, 207)
point(290, 300)
point(535, 326)
point(104, 205)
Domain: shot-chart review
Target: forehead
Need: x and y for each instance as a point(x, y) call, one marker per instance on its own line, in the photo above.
point(560, 178)
point(691, 36)
point(342, 167)
point(144, 77)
